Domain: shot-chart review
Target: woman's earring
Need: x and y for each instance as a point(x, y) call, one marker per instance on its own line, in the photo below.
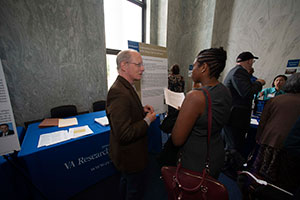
point(202, 71)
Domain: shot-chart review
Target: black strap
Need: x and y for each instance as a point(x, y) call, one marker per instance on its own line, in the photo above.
point(209, 124)
point(206, 169)
point(209, 121)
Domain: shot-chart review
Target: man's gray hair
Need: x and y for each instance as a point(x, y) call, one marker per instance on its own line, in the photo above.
point(124, 55)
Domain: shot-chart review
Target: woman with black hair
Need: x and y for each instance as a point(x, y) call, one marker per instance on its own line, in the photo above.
point(175, 80)
point(190, 130)
point(175, 83)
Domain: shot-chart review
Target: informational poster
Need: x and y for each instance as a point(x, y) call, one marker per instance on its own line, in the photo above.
point(9, 141)
point(155, 76)
point(293, 66)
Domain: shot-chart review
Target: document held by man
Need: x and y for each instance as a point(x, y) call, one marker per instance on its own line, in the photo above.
point(173, 99)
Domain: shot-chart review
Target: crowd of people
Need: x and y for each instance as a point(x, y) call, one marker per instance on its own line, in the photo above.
point(277, 135)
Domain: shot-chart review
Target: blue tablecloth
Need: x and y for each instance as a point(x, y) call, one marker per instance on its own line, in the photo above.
point(21, 133)
point(63, 169)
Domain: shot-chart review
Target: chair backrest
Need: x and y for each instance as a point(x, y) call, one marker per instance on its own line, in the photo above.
point(99, 105)
point(26, 124)
point(63, 111)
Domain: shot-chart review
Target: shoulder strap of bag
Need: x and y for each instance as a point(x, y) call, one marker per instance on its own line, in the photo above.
point(209, 121)
point(206, 169)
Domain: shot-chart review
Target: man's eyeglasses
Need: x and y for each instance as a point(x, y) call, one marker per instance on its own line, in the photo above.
point(137, 64)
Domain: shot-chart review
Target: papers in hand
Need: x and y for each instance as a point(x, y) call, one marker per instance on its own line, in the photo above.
point(67, 122)
point(173, 99)
point(60, 136)
point(102, 120)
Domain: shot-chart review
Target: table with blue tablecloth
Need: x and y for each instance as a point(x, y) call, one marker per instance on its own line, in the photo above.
point(63, 169)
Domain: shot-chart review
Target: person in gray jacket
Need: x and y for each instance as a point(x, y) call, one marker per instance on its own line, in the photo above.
point(242, 89)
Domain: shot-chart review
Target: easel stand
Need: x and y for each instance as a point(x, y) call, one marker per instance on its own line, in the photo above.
point(19, 170)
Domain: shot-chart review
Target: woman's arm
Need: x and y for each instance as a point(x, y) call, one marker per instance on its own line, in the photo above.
point(192, 107)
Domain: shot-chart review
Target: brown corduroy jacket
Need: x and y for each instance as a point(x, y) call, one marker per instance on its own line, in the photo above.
point(128, 135)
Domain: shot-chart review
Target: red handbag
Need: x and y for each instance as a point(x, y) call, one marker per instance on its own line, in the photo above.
point(190, 185)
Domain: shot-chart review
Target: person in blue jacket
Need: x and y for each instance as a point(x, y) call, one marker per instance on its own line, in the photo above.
point(275, 90)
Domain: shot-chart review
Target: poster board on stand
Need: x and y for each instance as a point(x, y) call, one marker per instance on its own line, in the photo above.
point(9, 141)
point(155, 77)
point(293, 66)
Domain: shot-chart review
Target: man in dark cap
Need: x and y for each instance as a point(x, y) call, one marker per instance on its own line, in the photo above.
point(242, 89)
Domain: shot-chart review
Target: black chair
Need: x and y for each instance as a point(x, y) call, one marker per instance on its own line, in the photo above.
point(99, 105)
point(26, 124)
point(64, 111)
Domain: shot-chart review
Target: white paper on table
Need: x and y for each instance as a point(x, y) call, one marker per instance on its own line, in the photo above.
point(173, 99)
point(80, 131)
point(53, 138)
point(254, 121)
point(102, 120)
point(67, 122)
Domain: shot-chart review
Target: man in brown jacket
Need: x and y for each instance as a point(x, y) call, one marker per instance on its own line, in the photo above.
point(129, 121)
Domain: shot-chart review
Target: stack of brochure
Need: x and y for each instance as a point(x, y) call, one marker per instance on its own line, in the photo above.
point(67, 122)
point(102, 120)
point(48, 122)
point(60, 136)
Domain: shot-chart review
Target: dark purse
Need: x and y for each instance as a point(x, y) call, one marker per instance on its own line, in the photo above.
point(168, 155)
point(190, 185)
point(169, 122)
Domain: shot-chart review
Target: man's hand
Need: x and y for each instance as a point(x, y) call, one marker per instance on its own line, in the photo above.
point(263, 82)
point(251, 70)
point(148, 109)
point(151, 116)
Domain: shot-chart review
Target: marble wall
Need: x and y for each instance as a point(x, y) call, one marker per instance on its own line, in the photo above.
point(190, 26)
point(53, 53)
point(269, 29)
point(158, 22)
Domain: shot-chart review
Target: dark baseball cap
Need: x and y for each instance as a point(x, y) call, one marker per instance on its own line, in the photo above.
point(245, 56)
